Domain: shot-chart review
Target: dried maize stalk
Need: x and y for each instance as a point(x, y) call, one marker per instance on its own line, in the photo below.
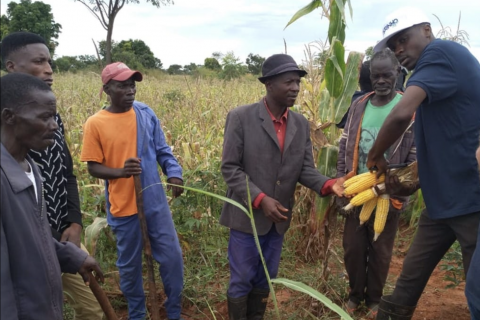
point(367, 210)
point(381, 214)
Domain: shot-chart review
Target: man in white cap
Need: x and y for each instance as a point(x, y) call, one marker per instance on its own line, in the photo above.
point(443, 95)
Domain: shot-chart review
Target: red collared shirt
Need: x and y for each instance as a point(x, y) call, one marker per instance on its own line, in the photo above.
point(280, 129)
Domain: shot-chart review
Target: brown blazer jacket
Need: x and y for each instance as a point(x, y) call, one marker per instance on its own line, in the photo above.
point(251, 148)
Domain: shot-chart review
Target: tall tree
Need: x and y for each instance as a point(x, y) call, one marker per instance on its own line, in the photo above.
point(135, 53)
point(254, 63)
point(231, 66)
point(106, 11)
point(33, 17)
point(212, 64)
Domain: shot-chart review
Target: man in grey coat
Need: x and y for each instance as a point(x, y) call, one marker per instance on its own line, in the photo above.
point(270, 145)
point(31, 260)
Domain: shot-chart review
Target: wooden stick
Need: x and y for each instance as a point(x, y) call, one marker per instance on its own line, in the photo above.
point(147, 249)
point(102, 298)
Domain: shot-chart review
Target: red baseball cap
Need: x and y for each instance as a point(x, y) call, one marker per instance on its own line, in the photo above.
point(119, 71)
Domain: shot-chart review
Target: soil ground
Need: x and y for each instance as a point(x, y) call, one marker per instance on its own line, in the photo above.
point(436, 303)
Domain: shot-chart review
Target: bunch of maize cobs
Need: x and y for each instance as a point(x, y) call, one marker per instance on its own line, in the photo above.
point(363, 189)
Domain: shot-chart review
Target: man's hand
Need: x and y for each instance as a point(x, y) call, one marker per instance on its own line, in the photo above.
point(338, 188)
point(272, 209)
point(89, 265)
point(393, 186)
point(378, 162)
point(132, 167)
point(176, 191)
point(72, 234)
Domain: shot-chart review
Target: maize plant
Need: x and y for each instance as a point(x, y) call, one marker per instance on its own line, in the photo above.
point(328, 89)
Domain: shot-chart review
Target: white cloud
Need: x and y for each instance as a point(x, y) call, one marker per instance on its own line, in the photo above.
point(190, 30)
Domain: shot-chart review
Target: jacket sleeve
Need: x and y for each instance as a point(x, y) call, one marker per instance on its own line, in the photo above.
point(412, 154)
point(69, 256)
point(165, 158)
point(341, 169)
point(8, 304)
point(309, 176)
point(232, 167)
point(73, 198)
point(342, 146)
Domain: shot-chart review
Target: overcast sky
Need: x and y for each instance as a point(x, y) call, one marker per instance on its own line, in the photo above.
point(190, 30)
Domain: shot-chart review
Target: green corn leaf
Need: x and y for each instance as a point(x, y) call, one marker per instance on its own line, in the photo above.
point(326, 165)
point(304, 11)
point(300, 287)
point(335, 69)
point(336, 27)
point(92, 232)
point(341, 7)
point(350, 8)
point(350, 82)
point(232, 202)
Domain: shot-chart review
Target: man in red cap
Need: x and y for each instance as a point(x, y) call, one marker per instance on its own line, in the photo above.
point(270, 145)
point(122, 140)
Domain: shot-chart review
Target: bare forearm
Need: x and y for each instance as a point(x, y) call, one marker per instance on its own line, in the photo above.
point(103, 172)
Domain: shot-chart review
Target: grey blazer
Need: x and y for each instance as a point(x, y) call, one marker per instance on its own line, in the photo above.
point(251, 148)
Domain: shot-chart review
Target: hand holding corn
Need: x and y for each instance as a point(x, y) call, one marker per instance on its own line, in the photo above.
point(365, 188)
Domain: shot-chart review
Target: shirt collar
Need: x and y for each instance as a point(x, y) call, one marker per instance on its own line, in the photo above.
point(283, 118)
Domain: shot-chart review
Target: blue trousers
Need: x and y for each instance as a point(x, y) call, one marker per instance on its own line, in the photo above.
point(246, 268)
point(165, 250)
point(472, 289)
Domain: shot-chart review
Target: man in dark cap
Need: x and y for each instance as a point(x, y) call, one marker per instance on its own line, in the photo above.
point(269, 144)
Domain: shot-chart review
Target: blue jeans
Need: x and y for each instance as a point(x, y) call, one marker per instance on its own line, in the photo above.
point(472, 289)
point(165, 250)
point(246, 268)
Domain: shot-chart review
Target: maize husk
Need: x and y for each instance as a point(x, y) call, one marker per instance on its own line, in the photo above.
point(408, 176)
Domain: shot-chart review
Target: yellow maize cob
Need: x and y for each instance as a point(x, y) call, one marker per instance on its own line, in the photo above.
point(363, 184)
point(361, 198)
point(381, 214)
point(367, 210)
point(356, 178)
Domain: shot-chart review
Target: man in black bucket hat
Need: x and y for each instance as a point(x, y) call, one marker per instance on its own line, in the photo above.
point(270, 145)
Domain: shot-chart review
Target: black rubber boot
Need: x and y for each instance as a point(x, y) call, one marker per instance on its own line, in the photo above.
point(237, 308)
point(257, 303)
point(388, 310)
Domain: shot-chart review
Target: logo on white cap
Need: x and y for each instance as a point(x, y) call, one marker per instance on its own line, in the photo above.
point(392, 23)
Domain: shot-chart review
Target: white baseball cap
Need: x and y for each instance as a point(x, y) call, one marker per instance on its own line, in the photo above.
point(398, 21)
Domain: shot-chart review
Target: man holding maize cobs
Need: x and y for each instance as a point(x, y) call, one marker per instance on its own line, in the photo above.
point(367, 253)
point(443, 95)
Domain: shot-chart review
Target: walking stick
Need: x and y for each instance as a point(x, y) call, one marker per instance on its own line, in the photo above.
point(155, 311)
point(102, 298)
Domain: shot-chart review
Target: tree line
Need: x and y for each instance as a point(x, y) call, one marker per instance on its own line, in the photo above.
point(37, 17)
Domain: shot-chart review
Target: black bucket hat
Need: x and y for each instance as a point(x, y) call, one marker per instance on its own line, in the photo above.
point(277, 64)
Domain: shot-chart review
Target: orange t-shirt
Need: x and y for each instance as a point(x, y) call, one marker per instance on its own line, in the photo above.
point(110, 139)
